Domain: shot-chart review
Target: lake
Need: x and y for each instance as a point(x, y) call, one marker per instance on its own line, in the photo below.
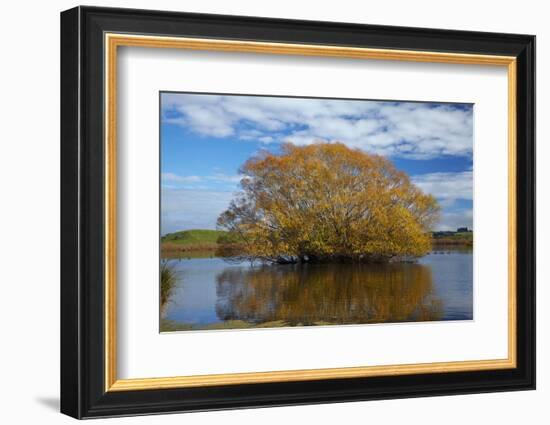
point(214, 294)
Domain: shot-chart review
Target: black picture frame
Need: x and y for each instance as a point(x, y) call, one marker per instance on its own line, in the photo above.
point(83, 392)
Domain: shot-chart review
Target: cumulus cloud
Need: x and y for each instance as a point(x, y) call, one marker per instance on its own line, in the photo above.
point(446, 187)
point(191, 209)
point(404, 129)
point(220, 177)
point(214, 178)
point(174, 178)
point(454, 220)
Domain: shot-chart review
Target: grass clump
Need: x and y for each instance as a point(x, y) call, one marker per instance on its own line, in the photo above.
point(168, 281)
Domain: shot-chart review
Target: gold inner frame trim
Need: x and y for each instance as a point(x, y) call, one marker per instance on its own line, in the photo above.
point(113, 41)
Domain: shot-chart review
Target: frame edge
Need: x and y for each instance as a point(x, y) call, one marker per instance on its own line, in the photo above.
point(70, 349)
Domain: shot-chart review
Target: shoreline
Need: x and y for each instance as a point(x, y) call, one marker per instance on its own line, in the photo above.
point(203, 243)
point(202, 250)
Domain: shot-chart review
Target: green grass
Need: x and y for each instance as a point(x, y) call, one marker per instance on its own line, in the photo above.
point(192, 237)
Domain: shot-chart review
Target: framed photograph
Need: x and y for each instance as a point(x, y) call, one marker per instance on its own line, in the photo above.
point(261, 212)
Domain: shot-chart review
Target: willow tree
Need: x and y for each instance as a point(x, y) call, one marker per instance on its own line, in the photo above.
point(326, 202)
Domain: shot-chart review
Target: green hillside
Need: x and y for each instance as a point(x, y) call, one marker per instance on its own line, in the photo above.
point(191, 237)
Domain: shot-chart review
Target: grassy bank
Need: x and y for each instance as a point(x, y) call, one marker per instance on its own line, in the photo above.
point(171, 326)
point(193, 237)
point(194, 243)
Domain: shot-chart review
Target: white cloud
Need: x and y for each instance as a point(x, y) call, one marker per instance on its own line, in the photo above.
point(174, 178)
point(454, 220)
point(215, 178)
point(446, 187)
point(407, 129)
point(220, 177)
point(191, 209)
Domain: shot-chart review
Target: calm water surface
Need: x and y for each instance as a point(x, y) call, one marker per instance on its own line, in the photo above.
point(211, 292)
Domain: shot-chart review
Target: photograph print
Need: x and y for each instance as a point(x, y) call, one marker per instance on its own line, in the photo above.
point(292, 211)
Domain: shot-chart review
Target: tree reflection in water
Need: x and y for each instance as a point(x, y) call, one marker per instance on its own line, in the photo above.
point(328, 294)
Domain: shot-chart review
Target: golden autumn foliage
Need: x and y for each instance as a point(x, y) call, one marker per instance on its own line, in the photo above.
point(326, 202)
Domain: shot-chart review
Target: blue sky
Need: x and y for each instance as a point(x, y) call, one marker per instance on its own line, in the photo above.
point(206, 138)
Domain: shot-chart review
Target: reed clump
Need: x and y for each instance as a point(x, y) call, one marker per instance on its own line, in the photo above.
point(168, 281)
